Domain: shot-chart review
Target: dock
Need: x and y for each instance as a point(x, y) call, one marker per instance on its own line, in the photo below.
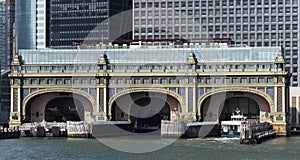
point(78, 129)
point(172, 129)
point(256, 133)
point(177, 129)
point(9, 133)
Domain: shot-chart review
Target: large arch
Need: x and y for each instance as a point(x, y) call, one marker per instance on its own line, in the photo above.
point(218, 96)
point(39, 99)
point(174, 100)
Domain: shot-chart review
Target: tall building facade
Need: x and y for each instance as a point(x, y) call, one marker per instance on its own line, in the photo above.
point(249, 22)
point(41, 24)
point(72, 22)
point(4, 96)
point(7, 19)
point(65, 24)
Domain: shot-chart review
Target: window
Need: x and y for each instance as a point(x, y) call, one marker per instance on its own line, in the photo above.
point(259, 11)
point(261, 80)
point(50, 81)
point(208, 80)
point(243, 80)
point(137, 81)
point(146, 81)
point(266, 10)
point(42, 81)
point(67, 81)
point(295, 10)
point(59, 81)
point(235, 80)
point(164, 81)
point(252, 80)
point(226, 80)
point(266, 2)
point(155, 81)
point(259, 19)
point(269, 80)
point(34, 81)
point(183, 4)
point(217, 80)
point(273, 10)
point(224, 20)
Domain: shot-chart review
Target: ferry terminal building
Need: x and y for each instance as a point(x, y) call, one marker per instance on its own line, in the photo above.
point(147, 84)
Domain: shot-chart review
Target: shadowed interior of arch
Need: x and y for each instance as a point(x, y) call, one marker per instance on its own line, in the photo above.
point(220, 106)
point(247, 106)
point(64, 109)
point(59, 107)
point(144, 112)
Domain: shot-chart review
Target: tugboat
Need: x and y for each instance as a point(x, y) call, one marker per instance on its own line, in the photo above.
point(232, 128)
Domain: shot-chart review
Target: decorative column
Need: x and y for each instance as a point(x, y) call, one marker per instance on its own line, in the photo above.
point(15, 118)
point(101, 109)
point(191, 90)
point(280, 120)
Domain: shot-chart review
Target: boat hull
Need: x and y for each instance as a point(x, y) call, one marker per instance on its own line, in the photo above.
point(226, 134)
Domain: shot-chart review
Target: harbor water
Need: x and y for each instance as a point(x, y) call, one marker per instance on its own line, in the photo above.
point(209, 148)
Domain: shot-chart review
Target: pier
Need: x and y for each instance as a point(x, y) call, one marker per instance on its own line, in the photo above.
point(56, 129)
point(9, 133)
point(256, 133)
point(172, 129)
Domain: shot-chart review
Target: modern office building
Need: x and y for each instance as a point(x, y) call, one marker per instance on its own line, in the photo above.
point(7, 18)
point(2, 31)
point(251, 22)
point(64, 24)
point(72, 22)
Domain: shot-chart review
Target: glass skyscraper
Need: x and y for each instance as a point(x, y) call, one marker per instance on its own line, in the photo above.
point(26, 24)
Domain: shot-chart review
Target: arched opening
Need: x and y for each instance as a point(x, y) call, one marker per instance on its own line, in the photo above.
point(145, 110)
point(57, 106)
point(64, 109)
point(247, 107)
point(146, 113)
point(220, 106)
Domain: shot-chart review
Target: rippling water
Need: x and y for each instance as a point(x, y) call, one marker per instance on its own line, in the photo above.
point(206, 149)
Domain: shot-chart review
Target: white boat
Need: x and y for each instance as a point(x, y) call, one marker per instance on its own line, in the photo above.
point(232, 128)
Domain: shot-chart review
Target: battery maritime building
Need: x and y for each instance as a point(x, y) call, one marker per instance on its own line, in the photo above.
point(188, 83)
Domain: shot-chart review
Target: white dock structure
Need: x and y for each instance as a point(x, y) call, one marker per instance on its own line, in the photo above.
point(56, 129)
